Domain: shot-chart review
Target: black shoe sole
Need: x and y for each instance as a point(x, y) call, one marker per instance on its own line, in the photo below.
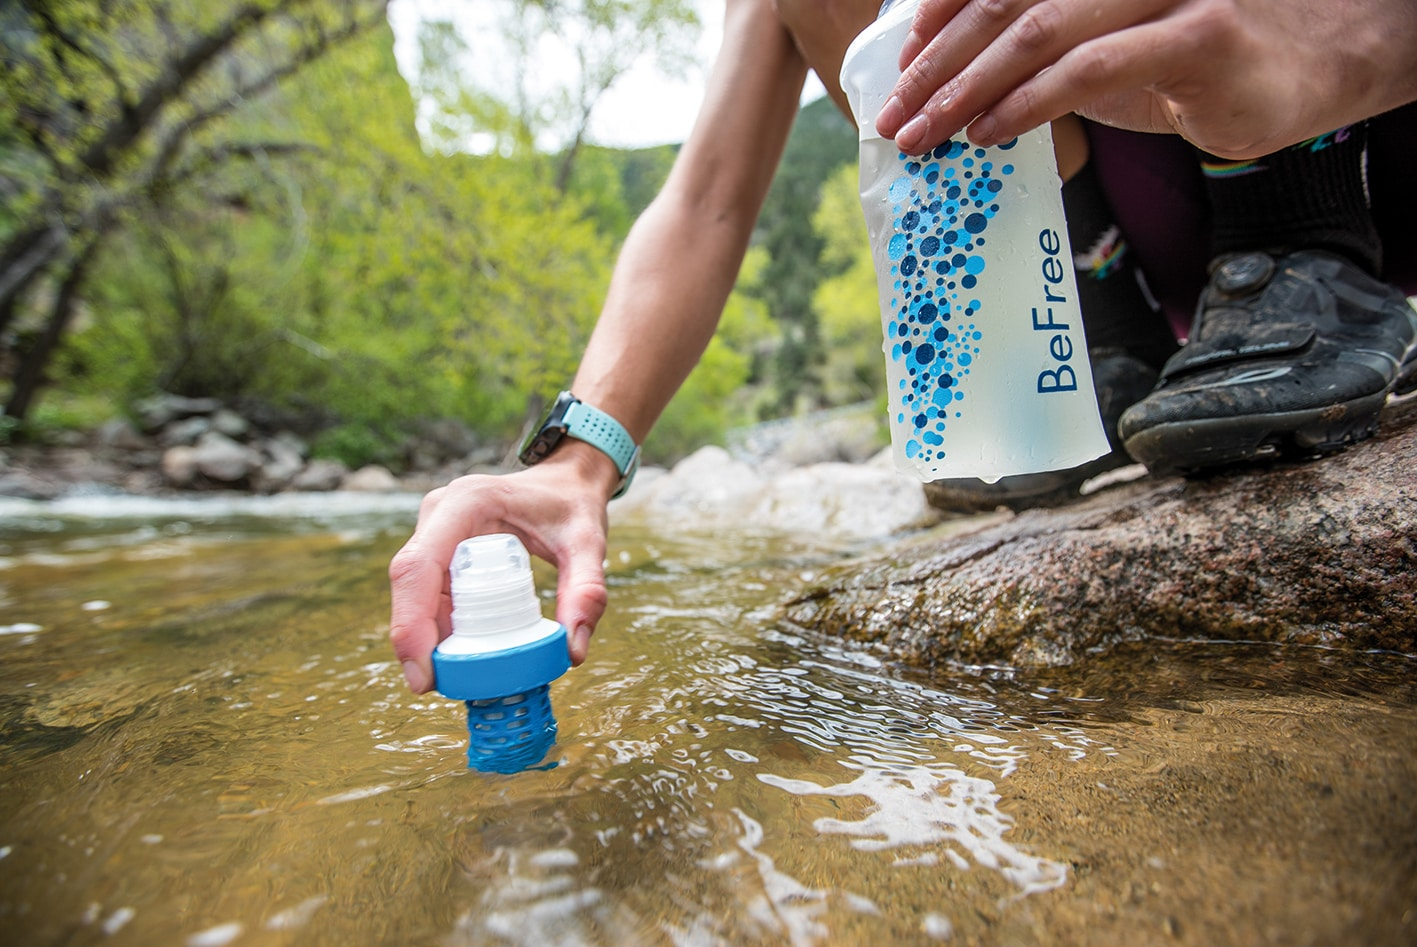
point(1020, 492)
point(1221, 442)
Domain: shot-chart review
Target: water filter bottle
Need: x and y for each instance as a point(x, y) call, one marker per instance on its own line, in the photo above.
point(502, 655)
point(986, 364)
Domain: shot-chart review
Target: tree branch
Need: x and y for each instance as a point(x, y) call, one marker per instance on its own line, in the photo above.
point(178, 135)
point(46, 18)
point(136, 117)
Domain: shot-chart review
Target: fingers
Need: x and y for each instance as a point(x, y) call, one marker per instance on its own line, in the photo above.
point(1110, 79)
point(418, 579)
point(580, 589)
point(953, 33)
point(930, 17)
point(993, 52)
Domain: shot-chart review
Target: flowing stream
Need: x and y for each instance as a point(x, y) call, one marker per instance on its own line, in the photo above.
point(204, 740)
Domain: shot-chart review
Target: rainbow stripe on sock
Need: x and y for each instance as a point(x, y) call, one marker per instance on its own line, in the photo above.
point(1230, 169)
point(1103, 256)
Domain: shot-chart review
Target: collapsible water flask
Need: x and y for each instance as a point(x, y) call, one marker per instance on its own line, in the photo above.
point(986, 363)
point(502, 655)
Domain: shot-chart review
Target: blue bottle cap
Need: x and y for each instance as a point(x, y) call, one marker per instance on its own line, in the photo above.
point(502, 673)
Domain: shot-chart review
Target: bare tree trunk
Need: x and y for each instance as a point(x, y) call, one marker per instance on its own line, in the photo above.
point(24, 258)
point(30, 377)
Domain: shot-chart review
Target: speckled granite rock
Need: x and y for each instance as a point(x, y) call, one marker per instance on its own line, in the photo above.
point(1320, 552)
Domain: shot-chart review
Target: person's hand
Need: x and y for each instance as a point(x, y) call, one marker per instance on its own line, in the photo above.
point(1238, 78)
point(556, 508)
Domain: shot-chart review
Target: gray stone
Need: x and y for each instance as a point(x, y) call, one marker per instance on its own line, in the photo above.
point(711, 489)
point(162, 409)
point(120, 434)
point(370, 479)
point(185, 432)
point(849, 439)
point(321, 474)
point(1321, 552)
point(26, 486)
point(281, 462)
point(292, 442)
point(179, 466)
point(223, 460)
point(447, 438)
point(228, 422)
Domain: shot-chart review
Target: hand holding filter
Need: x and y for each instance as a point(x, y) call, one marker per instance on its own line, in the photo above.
point(502, 655)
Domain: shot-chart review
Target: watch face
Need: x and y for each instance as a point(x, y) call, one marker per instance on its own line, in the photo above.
point(549, 432)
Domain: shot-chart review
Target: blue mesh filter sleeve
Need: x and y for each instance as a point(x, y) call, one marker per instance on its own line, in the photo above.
point(510, 734)
point(501, 673)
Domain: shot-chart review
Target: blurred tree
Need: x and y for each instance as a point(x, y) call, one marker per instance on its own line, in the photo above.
point(109, 106)
point(359, 281)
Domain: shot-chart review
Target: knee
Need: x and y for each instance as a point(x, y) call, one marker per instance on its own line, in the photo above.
point(790, 11)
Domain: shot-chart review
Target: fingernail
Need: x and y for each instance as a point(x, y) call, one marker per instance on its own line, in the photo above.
point(910, 49)
point(981, 130)
point(413, 674)
point(909, 138)
point(889, 118)
point(580, 642)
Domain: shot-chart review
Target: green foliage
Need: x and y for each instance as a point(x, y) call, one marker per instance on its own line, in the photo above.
point(111, 112)
point(69, 413)
point(613, 186)
point(821, 141)
point(365, 276)
point(278, 233)
point(847, 302)
point(355, 446)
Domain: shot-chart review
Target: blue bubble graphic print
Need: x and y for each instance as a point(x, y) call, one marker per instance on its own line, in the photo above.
point(941, 207)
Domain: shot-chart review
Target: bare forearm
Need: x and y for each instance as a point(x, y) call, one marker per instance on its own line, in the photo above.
point(681, 259)
point(669, 287)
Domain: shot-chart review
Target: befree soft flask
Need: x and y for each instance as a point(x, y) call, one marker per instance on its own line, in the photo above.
point(986, 363)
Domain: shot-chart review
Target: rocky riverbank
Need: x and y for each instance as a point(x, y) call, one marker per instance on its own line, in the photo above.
point(1322, 552)
point(182, 445)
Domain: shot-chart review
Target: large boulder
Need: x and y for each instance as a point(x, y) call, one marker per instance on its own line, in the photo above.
point(371, 478)
point(320, 474)
point(1321, 552)
point(223, 460)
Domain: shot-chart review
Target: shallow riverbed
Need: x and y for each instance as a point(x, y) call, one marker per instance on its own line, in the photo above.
point(204, 740)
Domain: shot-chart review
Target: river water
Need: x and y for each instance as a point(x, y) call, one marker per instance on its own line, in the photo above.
point(204, 740)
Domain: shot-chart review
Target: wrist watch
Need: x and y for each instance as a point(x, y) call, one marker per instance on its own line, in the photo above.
point(569, 416)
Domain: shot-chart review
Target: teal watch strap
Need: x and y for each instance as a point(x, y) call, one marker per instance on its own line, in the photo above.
point(601, 431)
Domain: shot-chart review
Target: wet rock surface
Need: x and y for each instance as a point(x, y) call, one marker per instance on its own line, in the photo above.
point(1318, 552)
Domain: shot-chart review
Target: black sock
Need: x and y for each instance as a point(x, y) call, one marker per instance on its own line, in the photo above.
point(1117, 310)
point(1310, 196)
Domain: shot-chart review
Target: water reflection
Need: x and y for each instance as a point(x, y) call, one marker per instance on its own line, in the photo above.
point(226, 754)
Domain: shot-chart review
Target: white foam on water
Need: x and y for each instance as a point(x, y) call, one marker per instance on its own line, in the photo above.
point(118, 920)
point(315, 506)
point(296, 917)
point(930, 805)
point(218, 936)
